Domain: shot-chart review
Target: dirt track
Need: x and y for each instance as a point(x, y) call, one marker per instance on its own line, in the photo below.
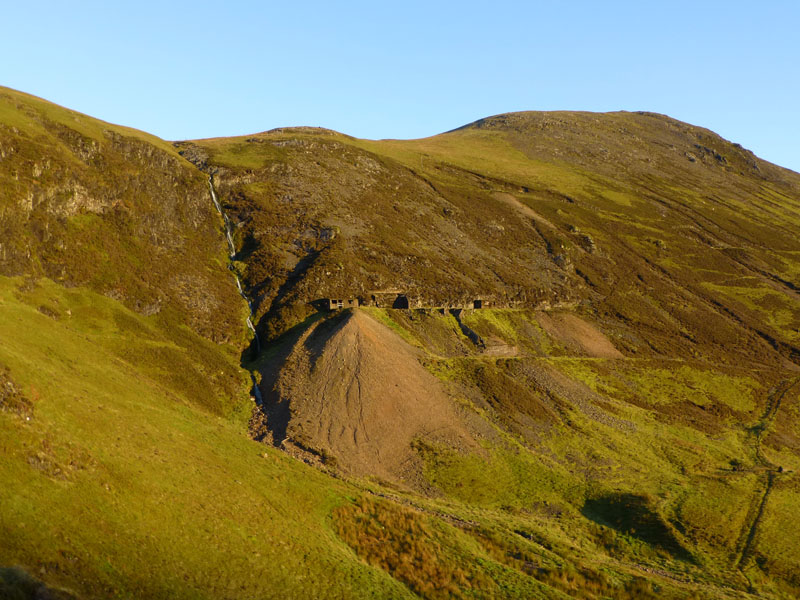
point(769, 472)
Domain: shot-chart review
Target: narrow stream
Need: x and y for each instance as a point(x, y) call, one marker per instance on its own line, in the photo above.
point(470, 333)
point(232, 268)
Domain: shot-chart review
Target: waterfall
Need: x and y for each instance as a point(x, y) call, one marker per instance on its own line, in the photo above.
point(232, 256)
point(228, 226)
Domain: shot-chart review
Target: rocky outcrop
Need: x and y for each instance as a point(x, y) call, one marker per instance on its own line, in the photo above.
point(87, 203)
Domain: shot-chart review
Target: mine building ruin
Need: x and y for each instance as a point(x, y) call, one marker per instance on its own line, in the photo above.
point(389, 299)
point(341, 304)
point(397, 299)
point(400, 302)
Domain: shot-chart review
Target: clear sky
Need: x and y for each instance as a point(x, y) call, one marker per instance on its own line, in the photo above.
point(410, 69)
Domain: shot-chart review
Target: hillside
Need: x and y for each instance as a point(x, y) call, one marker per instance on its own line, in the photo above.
point(87, 203)
point(679, 241)
point(116, 211)
point(575, 370)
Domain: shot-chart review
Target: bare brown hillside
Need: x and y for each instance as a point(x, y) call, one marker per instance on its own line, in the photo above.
point(358, 397)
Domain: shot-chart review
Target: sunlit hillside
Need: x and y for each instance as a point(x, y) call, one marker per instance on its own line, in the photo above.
point(567, 363)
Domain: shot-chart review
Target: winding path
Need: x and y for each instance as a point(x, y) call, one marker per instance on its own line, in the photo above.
point(771, 471)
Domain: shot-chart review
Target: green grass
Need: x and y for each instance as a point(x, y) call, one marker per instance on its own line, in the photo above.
point(161, 347)
point(698, 385)
point(492, 321)
point(775, 557)
point(87, 126)
point(700, 486)
point(244, 155)
point(386, 316)
point(182, 504)
point(120, 485)
point(713, 510)
point(511, 478)
point(483, 151)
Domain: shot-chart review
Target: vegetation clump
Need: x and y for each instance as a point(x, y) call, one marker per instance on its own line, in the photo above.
point(12, 399)
point(409, 546)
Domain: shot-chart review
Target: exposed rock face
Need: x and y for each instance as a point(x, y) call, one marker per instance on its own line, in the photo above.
point(87, 203)
point(12, 399)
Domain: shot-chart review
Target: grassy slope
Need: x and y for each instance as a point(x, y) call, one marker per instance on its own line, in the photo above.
point(672, 437)
point(88, 126)
point(680, 241)
point(118, 485)
point(703, 227)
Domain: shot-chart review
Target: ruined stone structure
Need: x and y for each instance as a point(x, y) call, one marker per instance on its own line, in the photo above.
point(397, 299)
point(341, 304)
point(388, 299)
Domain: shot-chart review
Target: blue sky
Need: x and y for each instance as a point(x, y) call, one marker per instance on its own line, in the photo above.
point(410, 69)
